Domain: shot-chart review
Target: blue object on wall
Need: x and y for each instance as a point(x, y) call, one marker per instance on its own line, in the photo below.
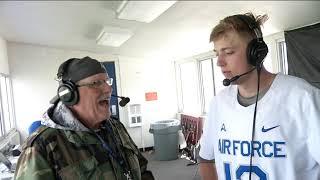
point(34, 126)
point(111, 70)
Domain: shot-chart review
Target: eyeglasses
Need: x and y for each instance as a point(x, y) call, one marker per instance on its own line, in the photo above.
point(98, 83)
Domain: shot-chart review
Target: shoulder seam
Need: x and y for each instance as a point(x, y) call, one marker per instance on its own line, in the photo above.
point(34, 137)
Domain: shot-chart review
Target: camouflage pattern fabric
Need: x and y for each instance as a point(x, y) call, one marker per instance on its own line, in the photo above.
point(51, 153)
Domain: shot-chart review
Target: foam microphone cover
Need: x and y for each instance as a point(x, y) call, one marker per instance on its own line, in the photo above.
point(226, 82)
point(124, 101)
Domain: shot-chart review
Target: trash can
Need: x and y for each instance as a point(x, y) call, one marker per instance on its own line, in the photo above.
point(166, 139)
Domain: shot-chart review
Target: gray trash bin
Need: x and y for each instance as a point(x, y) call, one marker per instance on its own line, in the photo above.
point(166, 139)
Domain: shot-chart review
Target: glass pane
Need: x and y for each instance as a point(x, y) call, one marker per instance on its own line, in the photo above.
point(132, 109)
point(6, 106)
point(4, 103)
point(133, 120)
point(189, 87)
point(207, 82)
point(283, 62)
point(10, 120)
point(138, 109)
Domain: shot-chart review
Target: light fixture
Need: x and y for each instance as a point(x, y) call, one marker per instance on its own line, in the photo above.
point(113, 36)
point(142, 11)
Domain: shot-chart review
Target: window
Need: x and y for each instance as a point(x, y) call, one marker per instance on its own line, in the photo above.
point(189, 87)
point(199, 79)
point(7, 119)
point(282, 56)
point(207, 82)
point(211, 83)
point(218, 77)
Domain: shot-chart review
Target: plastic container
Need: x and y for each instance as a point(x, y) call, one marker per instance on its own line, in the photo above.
point(166, 139)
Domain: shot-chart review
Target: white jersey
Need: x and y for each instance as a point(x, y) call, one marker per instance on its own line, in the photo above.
point(287, 133)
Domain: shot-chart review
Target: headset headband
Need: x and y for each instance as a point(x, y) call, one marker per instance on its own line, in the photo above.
point(252, 25)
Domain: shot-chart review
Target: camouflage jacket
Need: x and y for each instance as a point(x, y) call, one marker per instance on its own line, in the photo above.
point(64, 153)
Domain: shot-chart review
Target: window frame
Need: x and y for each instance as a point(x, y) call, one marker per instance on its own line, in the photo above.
point(282, 56)
point(199, 81)
point(9, 107)
point(202, 87)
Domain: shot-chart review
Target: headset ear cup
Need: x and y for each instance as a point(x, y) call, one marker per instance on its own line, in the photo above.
point(68, 93)
point(251, 59)
point(76, 97)
point(256, 52)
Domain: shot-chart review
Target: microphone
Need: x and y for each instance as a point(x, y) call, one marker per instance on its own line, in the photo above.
point(227, 82)
point(124, 100)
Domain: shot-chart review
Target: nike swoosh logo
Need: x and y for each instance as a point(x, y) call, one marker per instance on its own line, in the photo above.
point(268, 129)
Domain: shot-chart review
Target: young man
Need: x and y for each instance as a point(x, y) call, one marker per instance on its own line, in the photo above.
point(78, 139)
point(274, 136)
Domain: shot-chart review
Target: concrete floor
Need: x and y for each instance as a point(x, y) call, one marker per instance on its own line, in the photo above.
point(172, 170)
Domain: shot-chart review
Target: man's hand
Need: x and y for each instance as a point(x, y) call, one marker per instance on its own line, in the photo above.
point(147, 175)
point(208, 171)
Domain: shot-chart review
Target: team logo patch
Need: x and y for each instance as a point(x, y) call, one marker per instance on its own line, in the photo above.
point(268, 129)
point(223, 128)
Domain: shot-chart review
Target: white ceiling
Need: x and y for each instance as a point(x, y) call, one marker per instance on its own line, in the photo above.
point(183, 30)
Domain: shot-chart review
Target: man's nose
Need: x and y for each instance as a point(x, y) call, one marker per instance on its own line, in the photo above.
point(107, 88)
point(220, 61)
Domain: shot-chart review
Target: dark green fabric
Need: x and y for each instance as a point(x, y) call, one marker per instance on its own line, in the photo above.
point(64, 154)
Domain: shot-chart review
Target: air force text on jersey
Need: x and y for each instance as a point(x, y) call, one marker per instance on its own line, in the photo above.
point(267, 149)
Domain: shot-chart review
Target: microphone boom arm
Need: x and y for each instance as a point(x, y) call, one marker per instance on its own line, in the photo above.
point(227, 82)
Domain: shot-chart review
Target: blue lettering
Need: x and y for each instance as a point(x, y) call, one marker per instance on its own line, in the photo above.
point(257, 148)
point(227, 146)
point(278, 149)
point(264, 149)
point(235, 146)
point(243, 144)
point(268, 149)
point(255, 169)
point(227, 171)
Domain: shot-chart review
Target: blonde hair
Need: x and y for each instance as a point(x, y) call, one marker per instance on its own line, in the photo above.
point(236, 23)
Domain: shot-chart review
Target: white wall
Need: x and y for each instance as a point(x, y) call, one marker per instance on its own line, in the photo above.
point(33, 69)
point(139, 77)
point(4, 66)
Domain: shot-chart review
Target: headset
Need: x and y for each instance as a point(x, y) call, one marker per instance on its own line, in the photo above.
point(257, 49)
point(67, 90)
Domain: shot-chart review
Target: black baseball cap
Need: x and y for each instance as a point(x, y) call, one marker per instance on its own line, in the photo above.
point(75, 69)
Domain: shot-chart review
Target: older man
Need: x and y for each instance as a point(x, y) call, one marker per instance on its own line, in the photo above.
point(78, 139)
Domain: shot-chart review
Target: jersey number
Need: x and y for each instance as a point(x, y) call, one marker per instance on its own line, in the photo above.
point(242, 169)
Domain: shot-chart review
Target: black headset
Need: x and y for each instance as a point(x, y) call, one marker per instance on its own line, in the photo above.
point(257, 49)
point(67, 90)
